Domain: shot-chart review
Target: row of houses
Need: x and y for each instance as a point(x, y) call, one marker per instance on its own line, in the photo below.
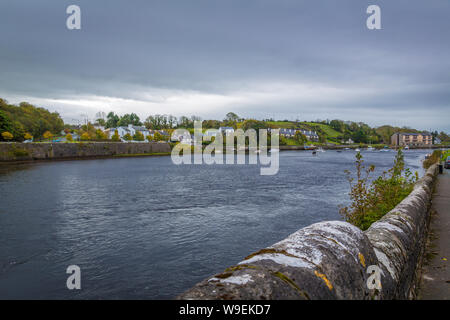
point(403, 139)
point(290, 133)
point(188, 138)
point(131, 130)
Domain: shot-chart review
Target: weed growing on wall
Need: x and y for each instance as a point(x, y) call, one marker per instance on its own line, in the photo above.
point(373, 198)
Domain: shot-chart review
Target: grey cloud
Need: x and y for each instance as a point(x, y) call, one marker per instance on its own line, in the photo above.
point(223, 47)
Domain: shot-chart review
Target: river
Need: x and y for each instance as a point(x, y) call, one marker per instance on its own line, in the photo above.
point(144, 228)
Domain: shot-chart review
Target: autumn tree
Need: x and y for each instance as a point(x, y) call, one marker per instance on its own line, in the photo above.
point(115, 137)
point(28, 136)
point(47, 135)
point(138, 136)
point(85, 137)
point(7, 136)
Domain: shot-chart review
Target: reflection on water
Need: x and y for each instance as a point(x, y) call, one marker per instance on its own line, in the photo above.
point(10, 168)
point(145, 228)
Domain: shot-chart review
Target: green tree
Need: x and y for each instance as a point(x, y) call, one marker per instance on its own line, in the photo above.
point(28, 136)
point(127, 119)
point(300, 137)
point(128, 137)
point(5, 123)
point(149, 138)
point(28, 119)
point(69, 137)
point(112, 120)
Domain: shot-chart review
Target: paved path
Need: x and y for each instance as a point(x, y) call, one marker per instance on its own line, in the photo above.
point(435, 282)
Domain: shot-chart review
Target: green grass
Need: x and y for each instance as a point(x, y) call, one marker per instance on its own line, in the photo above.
point(292, 142)
point(282, 124)
point(330, 132)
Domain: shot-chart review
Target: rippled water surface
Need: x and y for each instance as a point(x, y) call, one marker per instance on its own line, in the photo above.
point(143, 228)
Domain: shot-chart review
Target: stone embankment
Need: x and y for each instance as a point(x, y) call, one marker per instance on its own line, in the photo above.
point(335, 260)
point(58, 151)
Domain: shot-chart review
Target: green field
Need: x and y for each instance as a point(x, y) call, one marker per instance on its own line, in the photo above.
point(330, 132)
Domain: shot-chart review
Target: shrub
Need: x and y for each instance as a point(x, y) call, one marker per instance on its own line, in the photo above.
point(85, 137)
point(128, 137)
point(69, 137)
point(138, 136)
point(7, 136)
point(28, 136)
point(115, 137)
point(371, 200)
point(47, 135)
point(434, 158)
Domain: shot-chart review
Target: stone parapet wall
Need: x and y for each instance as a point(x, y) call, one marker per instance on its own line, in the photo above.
point(334, 259)
point(56, 151)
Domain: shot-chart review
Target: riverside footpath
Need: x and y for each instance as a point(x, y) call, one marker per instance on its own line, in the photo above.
point(435, 282)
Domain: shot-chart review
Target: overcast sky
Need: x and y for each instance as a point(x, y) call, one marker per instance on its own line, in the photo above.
point(285, 59)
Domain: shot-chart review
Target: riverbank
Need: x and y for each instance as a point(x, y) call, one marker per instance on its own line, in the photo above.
point(25, 152)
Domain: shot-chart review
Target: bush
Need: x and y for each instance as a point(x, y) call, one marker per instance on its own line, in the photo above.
point(138, 136)
point(434, 158)
point(85, 137)
point(47, 135)
point(371, 200)
point(7, 136)
point(115, 137)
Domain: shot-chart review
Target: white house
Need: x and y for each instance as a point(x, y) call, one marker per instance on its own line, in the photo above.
point(226, 130)
point(122, 131)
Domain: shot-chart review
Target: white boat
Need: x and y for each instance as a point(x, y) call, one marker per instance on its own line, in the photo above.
point(370, 148)
point(357, 150)
point(406, 147)
point(320, 150)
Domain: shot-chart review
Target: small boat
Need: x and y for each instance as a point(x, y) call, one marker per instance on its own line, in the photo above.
point(370, 148)
point(339, 151)
point(320, 150)
point(314, 152)
point(406, 147)
point(357, 150)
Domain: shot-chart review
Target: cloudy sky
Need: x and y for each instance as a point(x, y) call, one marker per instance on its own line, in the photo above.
point(285, 59)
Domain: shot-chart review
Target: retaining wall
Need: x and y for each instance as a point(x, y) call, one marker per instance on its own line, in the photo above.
point(334, 259)
point(43, 151)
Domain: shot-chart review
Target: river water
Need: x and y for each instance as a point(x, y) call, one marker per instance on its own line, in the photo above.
point(143, 228)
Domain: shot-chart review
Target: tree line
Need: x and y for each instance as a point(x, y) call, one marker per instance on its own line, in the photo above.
point(25, 121)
